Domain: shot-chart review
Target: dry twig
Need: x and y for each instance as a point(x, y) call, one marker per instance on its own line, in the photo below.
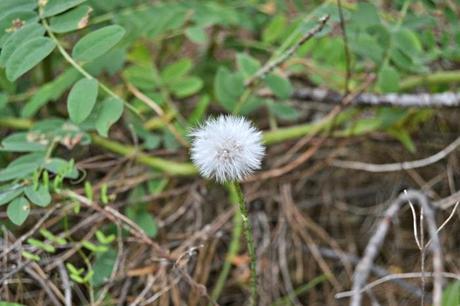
point(375, 243)
point(398, 166)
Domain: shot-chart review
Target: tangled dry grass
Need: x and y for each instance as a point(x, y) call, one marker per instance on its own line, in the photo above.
point(311, 226)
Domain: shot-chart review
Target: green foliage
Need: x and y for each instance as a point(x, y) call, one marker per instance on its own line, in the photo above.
point(451, 294)
point(97, 43)
point(81, 100)
point(28, 56)
point(143, 73)
point(18, 210)
point(72, 20)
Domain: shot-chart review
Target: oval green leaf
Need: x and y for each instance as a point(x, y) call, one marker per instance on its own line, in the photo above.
point(280, 86)
point(7, 195)
point(111, 110)
point(81, 100)
point(54, 7)
point(18, 210)
point(97, 43)
point(27, 56)
point(27, 32)
point(39, 196)
point(17, 171)
point(72, 20)
point(186, 87)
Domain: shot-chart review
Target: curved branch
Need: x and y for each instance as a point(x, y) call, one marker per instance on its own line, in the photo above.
point(362, 270)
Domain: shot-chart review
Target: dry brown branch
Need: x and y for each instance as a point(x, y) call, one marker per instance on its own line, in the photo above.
point(65, 284)
point(398, 166)
point(32, 231)
point(393, 277)
point(375, 243)
point(448, 201)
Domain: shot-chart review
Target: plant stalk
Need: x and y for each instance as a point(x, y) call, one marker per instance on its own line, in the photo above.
point(247, 228)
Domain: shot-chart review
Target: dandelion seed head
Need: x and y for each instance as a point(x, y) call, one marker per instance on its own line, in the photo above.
point(227, 148)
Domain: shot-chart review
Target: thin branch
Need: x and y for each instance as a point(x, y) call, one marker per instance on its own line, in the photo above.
point(65, 284)
point(270, 65)
point(445, 222)
point(32, 231)
point(345, 48)
point(420, 163)
point(393, 277)
point(375, 243)
point(445, 99)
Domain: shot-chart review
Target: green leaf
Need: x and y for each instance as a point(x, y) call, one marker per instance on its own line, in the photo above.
point(18, 210)
point(35, 158)
point(365, 16)
point(196, 34)
point(22, 142)
point(228, 87)
point(17, 171)
point(176, 71)
point(50, 92)
point(199, 110)
point(72, 20)
point(9, 194)
point(50, 236)
point(62, 167)
point(144, 219)
point(11, 304)
point(41, 245)
point(13, 21)
point(252, 104)
point(54, 7)
point(280, 86)
point(109, 113)
point(19, 5)
point(404, 137)
point(284, 111)
point(103, 267)
point(27, 56)
point(18, 38)
point(39, 196)
point(247, 64)
point(3, 100)
point(275, 29)
point(97, 43)
point(388, 79)
point(81, 100)
point(186, 87)
point(451, 294)
point(30, 256)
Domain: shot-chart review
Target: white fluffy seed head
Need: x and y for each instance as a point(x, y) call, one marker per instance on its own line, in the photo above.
point(227, 148)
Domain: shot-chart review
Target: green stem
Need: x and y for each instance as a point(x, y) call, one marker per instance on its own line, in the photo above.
point(247, 228)
point(233, 248)
point(436, 78)
point(163, 165)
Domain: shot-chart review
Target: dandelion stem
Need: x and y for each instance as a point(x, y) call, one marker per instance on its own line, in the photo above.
point(234, 245)
point(247, 228)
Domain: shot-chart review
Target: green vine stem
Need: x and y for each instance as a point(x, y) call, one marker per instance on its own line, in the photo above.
point(247, 228)
point(435, 78)
point(233, 248)
point(163, 165)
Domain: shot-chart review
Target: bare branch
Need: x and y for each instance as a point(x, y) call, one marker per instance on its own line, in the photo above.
point(362, 270)
point(270, 65)
point(398, 166)
point(446, 99)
